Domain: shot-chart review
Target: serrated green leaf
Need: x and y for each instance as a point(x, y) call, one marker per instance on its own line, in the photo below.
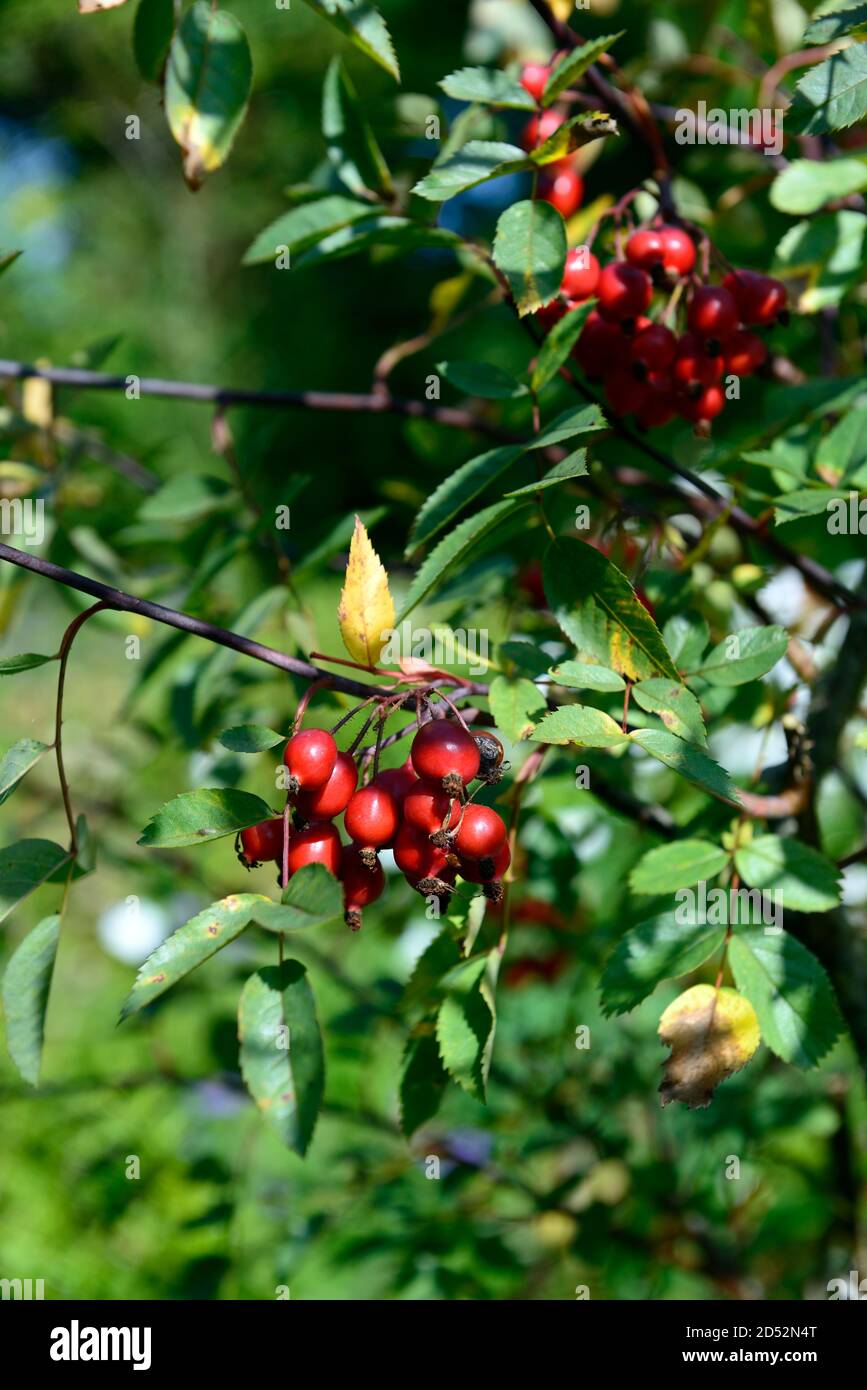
point(460, 488)
point(312, 896)
point(488, 87)
point(250, 738)
point(584, 675)
point(516, 706)
point(465, 1026)
point(352, 148)
point(24, 867)
point(24, 661)
point(690, 762)
point(383, 230)
point(835, 23)
point(844, 449)
point(152, 33)
point(208, 79)
point(571, 136)
point(806, 185)
point(189, 947)
point(573, 466)
point(661, 948)
point(743, 656)
point(476, 162)
point(17, 762)
point(188, 497)
point(805, 880)
point(301, 227)
point(678, 865)
point(558, 344)
point(281, 1055)
point(423, 1080)
point(530, 251)
point(790, 992)
point(827, 252)
point(686, 636)
point(482, 379)
point(573, 65)
point(424, 987)
point(580, 724)
point(26, 984)
point(364, 26)
point(801, 502)
point(676, 706)
point(831, 95)
point(597, 608)
point(196, 817)
point(454, 548)
point(577, 420)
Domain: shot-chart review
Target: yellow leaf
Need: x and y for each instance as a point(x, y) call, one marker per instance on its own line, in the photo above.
point(366, 611)
point(712, 1033)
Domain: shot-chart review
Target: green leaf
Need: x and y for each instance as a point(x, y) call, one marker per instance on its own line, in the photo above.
point(423, 1080)
point(282, 1061)
point(250, 738)
point(676, 706)
point(458, 489)
point(805, 880)
point(364, 26)
point(24, 867)
point(476, 162)
point(26, 984)
point(352, 147)
point(18, 761)
point(581, 724)
point(686, 636)
point(152, 36)
point(454, 548)
point(196, 817)
point(573, 466)
point(530, 251)
point(744, 656)
point(678, 865)
point(401, 233)
point(312, 896)
point(577, 420)
point(597, 608)
point(697, 767)
point(516, 706)
point(526, 657)
point(824, 28)
point(806, 185)
point(465, 1027)
point(660, 949)
point(828, 253)
point(188, 947)
point(801, 502)
point(572, 67)
point(559, 343)
point(831, 95)
point(482, 379)
point(24, 661)
point(488, 87)
point(790, 992)
point(301, 227)
point(188, 497)
point(8, 258)
point(844, 448)
point(582, 675)
point(208, 80)
point(425, 987)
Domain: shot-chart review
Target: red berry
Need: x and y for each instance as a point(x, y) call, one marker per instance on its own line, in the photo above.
point(262, 842)
point(655, 410)
point(624, 291)
point(361, 885)
point(427, 806)
point(540, 128)
point(760, 298)
point(653, 349)
point(624, 392)
point(551, 313)
point(534, 78)
point(397, 780)
point(599, 347)
point(318, 843)
point(310, 757)
point(713, 312)
point(581, 275)
point(474, 871)
point(444, 751)
point(330, 800)
point(694, 364)
point(562, 187)
point(705, 407)
point(645, 249)
point(416, 857)
point(481, 834)
point(744, 353)
point(371, 818)
point(678, 250)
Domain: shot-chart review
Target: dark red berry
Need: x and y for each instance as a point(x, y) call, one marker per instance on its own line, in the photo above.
point(371, 818)
point(309, 756)
point(678, 250)
point(540, 128)
point(624, 392)
point(624, 291)
point(744, 353)
point(328, 801)
point(318, 843)
point(562, 187)
point(599, 347)
point(475, 871)
point(760, 299)
point(694, 364)
point(427, 808)
point(445, 752)
point(262, 842)
point(645, 249)
point(534, 78)
point(362, 884)
point(712, 312)
point(397, 780)
point(481, 834)
point(653, 349)
point(416, 857)
point(656, 410)
point(581, 275)
point(705, 406)
point(552, 313)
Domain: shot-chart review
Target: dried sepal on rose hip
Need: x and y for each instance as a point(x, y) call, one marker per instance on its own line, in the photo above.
point(492, 755)
point(363, 883)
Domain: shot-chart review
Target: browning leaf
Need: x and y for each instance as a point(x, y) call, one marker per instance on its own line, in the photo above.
point(366, 611)
point(712, 1033)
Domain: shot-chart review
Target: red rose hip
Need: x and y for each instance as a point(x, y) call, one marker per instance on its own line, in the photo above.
point(624, 292)
point(309, 756)
point(362, 885)
point(262, 842)
point(318, 843)
point(328, 801)
point(445, 752)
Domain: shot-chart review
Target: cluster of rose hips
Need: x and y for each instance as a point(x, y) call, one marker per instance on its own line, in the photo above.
point(420, 810)
point(559, 183)
point(646, 368)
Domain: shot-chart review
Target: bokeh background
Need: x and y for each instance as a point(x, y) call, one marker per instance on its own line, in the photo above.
point(573, 1174)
